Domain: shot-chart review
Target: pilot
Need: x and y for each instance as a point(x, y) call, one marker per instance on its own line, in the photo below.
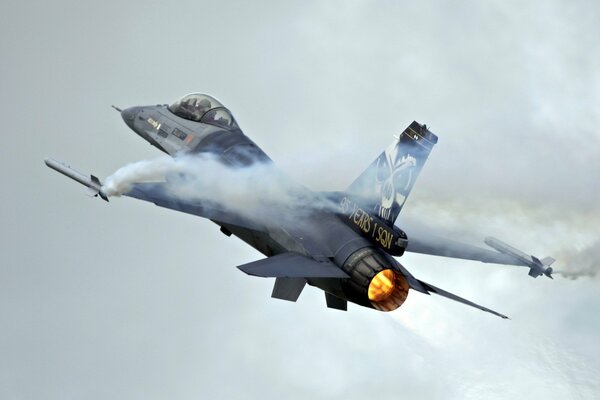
point(186, 107)
point(202, 107)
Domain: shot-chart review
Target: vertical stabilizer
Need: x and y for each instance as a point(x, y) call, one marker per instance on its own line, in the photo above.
point(384, 186)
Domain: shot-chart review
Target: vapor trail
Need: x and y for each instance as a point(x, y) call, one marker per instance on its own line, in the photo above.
point(258, 191)
point(584, 263)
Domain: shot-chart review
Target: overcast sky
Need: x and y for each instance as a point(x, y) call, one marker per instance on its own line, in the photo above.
point(129, 301)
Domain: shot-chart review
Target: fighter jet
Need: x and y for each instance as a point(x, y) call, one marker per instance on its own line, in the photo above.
point(348, 250)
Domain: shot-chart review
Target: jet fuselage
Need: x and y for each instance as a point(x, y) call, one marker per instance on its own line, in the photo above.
point(324, 236)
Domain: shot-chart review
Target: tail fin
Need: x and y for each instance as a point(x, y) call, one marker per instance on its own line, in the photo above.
point(386, 183)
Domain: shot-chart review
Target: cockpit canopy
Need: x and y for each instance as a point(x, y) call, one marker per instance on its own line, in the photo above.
point(205, 109)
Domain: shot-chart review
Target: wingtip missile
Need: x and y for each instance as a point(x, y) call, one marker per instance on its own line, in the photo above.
point(93, 184)
point(536, 266)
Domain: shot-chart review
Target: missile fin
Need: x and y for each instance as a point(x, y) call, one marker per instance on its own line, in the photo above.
point(92, 191)
point(548, 261)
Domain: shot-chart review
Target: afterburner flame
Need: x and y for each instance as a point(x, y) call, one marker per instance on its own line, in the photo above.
point(382, 285)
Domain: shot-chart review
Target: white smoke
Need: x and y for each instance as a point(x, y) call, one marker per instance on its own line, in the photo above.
point(259, 191)
point(142, 171)
point(583, 263)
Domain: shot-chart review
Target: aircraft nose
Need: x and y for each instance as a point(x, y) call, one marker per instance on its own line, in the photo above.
point(129, 115)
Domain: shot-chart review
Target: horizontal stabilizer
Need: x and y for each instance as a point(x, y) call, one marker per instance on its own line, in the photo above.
point(454, 297)
point(292, 265)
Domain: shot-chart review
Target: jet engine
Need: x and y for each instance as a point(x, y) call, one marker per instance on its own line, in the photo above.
point(375, 281)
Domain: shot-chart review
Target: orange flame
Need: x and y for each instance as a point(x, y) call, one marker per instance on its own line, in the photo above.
point(382, 285)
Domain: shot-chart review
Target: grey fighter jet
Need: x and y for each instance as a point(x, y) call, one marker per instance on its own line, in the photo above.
point(345, 243)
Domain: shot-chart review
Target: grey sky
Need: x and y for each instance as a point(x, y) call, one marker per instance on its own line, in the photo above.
point(129, 301)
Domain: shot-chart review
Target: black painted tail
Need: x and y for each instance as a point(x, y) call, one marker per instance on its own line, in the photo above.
point(386, 183)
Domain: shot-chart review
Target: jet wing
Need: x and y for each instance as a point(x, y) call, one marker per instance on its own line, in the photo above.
point(438, 246)
point(156, 193)
point(438, 291)
point(421, 241)
point(292, 265)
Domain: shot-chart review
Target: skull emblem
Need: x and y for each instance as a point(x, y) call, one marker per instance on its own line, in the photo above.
point(393, 177)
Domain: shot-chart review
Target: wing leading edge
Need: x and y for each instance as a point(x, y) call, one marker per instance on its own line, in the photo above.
point(503, 253)
point(438, 246)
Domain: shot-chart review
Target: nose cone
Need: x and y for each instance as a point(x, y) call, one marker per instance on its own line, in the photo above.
point(129, 115)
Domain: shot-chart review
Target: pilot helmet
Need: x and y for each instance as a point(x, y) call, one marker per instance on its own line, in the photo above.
point(204, 104)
